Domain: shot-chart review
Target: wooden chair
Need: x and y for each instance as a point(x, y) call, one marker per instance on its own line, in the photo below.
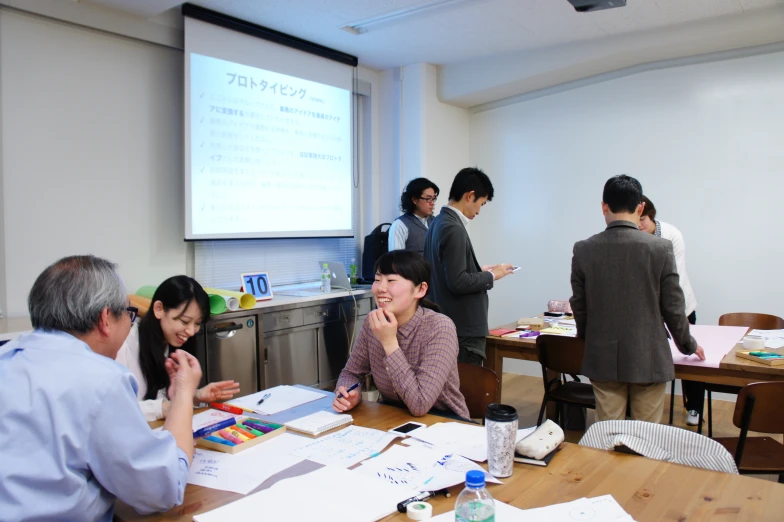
point(564, 356)
point(753, 321)
point(480, 386)
point(758, 409)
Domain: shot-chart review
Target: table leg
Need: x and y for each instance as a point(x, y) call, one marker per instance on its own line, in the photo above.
point(495, 362)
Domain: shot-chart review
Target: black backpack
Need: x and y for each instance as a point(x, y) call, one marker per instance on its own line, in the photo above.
point(376, 245)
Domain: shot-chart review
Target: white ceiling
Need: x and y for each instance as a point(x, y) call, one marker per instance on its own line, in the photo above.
point(467, 30)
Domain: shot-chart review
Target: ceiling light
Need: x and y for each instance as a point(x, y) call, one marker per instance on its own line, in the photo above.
point(361, 26)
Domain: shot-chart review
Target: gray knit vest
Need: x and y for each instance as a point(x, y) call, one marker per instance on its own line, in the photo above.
point(416, 232)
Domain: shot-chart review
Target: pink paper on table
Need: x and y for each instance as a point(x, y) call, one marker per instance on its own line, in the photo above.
point(717, 341)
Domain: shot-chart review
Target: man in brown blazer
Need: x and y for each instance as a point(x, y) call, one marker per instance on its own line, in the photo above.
point(623, 284)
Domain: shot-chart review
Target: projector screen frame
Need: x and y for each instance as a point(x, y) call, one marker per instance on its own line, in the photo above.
point(299, 44)
point(259, 31)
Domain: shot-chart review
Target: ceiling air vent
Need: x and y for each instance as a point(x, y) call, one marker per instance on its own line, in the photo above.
point(584, 6)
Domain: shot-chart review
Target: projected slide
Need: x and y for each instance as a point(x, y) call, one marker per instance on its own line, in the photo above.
point(270, 154)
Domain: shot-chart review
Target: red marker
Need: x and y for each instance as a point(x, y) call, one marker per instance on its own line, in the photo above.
point(226, 407)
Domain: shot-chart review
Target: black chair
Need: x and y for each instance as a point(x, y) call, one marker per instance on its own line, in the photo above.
point(758, 409)
point(564, 356)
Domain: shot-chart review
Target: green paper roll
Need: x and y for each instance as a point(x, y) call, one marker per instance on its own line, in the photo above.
point(146, 291)
point(217, 304)
point(247, 301)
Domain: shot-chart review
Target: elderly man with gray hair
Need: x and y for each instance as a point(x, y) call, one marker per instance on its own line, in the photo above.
point(72, 436)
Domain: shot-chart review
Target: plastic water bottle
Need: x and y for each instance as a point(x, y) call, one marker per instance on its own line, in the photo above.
point(474, 503)
point(352, 271)
point(326, 279)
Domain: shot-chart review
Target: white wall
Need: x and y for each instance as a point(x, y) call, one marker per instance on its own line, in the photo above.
point(107, 111)
point(434, 136)
point(92, 152)
point(704, 140)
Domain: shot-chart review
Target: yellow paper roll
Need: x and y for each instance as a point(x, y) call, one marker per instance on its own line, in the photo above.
point(247, 301)
point(142, 303)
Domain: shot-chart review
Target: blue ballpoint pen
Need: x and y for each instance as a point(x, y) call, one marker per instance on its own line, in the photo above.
point(266, 396)
point(352, 387)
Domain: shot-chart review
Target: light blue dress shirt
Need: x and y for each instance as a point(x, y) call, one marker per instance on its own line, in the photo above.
point(72, 437)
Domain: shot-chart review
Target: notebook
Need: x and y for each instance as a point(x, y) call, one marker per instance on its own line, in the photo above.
point(319, 422)
point(527, 460)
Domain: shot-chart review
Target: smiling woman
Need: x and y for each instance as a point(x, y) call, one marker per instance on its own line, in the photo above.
point(409, 348)
point(179, 307)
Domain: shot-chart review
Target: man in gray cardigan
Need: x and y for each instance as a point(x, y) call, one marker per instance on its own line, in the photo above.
point(623, 284)
point(408, 231)
point(459, 284)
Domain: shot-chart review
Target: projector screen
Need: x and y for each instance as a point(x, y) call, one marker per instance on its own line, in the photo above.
point(268, 139)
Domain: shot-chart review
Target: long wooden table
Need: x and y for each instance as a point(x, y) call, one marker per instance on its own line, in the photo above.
point(732, 370)
point(647, 489)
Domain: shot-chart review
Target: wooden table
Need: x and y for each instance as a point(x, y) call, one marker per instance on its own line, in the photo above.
point(647, 489)
point(732, 370)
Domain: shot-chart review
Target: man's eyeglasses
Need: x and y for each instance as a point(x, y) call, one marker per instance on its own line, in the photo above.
point(429, 199)
point(133, 312)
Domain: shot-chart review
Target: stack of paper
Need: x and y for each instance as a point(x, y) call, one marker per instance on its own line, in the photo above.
point(598, 509)
point(463, 439)
point(278, 399)
point(773, 338)
point(558, 329)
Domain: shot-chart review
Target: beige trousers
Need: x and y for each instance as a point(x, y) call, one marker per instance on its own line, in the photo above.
point(647, 400)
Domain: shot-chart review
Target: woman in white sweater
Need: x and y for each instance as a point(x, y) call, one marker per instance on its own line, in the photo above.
point(693, 391)
point(179, 307)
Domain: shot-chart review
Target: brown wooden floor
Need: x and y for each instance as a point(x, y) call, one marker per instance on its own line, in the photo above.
point(525, 393)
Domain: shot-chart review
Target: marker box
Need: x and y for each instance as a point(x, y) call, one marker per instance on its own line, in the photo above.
point(273, 432)
point(770, 358)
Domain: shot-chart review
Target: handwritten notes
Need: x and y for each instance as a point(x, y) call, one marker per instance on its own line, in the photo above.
point(346, 447)
point(243, 472)
point(419, 468)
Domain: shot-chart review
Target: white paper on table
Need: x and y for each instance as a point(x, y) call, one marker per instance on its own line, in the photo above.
point(331, 494)
point(463, 439)
point(244, 471)
point(773, 338)
point(346, 447)
point(281, 398)
point(523, 433)
point(419, 469)
point(716, 341)
point(597, 509)
point(410, 441)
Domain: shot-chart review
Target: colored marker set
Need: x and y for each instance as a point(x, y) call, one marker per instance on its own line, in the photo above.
point(235, 435)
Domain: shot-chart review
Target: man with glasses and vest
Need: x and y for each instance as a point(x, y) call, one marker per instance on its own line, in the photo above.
point(417, 202)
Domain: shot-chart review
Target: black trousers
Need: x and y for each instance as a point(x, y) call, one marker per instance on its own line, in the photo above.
point(693, 391)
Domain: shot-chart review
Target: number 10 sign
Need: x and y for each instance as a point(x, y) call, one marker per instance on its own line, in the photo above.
point(257, 284)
